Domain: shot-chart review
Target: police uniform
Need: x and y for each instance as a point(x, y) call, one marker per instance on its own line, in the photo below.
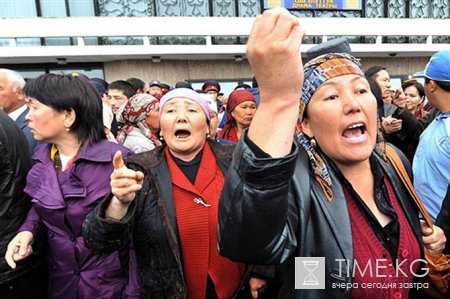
point(213, 85)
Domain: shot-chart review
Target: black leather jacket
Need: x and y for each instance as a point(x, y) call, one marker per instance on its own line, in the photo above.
point(14, 203)
point(411, 127)
point(273, 210)
point(150, 225)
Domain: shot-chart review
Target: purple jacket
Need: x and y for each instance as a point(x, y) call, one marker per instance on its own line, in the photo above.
point(60, 204)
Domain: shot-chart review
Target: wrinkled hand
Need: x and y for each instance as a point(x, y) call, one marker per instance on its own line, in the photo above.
point(433, 239)
point(273, 50)
point(124, 181)
point(391, 124)
point(256, 286)
point(19, 248)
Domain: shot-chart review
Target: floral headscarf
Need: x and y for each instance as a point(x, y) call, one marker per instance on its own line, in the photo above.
point(133, 114)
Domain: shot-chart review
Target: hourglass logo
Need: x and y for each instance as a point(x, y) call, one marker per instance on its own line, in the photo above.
point(310, 273)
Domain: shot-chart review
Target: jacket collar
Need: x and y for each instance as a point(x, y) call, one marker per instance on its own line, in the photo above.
point(153, 163)
point(91, 151)
point(407, 203)
point(337, 212)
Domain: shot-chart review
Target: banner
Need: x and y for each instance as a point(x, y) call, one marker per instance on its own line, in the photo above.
point(315, 4)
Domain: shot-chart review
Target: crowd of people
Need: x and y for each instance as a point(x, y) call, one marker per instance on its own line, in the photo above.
point(134, 190)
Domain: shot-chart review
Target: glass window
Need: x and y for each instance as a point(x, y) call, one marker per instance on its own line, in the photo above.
point(33, 71)
point(90, 72)
point(29, 74)
point(81, 8)
point(16, 9)
point(52, 8)
point(58, 8)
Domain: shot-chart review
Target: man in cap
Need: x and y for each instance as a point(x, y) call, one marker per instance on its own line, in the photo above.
point(183, 84)
point(431, 161)
point(165, 88)
point(213, 87)
point(155, 88)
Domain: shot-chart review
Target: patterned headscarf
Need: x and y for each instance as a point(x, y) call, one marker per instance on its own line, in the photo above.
point(134, 113)
point(316, 72)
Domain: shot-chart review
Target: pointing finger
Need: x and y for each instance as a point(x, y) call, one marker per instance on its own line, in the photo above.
point(10, 252)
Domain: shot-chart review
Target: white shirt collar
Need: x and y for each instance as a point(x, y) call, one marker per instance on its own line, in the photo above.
point(16, 113)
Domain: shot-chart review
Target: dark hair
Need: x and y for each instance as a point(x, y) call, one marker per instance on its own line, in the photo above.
point(101, 81)
point(444, 85)
point(71, 92)
point(376, 91)
point(372, 71)
point(124, 86)
point(136, 83)
point(183, 84)
point(254, 82)
point(417, 85)
point(99, 84)
point(242, 85)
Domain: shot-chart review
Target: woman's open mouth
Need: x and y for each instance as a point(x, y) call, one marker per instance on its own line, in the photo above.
point(182, 134)
point(355, 131)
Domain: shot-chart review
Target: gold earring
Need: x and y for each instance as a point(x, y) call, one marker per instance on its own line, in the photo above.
point(313, 143)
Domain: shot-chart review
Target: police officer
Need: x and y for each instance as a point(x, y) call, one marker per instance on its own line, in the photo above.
point(155, 88)
point(213, 87)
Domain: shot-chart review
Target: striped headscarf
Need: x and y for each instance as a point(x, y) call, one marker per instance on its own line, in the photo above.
point(134, 113)
point(316, 72)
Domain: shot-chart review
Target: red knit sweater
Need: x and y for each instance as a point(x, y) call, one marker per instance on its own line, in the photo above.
point(368, 250)
point(197, 217)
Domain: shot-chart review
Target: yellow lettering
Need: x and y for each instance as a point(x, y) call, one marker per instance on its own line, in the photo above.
point(327, 6)
point(301, 5)
point(274, 3)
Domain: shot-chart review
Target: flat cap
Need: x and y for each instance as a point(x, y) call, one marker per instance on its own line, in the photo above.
point(155, 83)
point(211, 85)
point(336, 45)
